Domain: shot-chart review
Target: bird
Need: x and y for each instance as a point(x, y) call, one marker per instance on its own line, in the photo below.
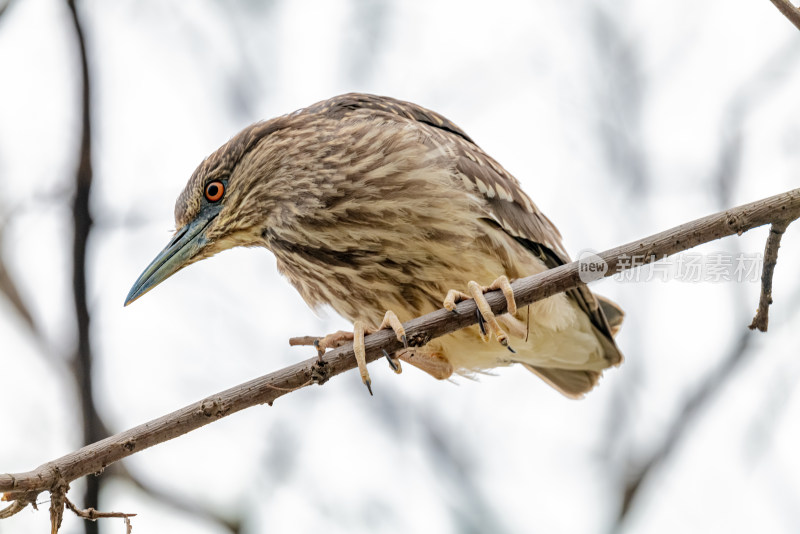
point(385, 210)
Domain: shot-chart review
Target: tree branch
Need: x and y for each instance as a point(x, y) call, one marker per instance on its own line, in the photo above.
point(782, 209)
point(93, 515)
point(789, 11)
point(761, 320)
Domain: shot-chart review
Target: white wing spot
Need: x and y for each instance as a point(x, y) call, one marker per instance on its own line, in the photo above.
point(481, 186)
point(528, 204)
point(502, 193)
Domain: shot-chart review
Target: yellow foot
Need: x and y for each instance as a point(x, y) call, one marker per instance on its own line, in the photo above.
point(486, 319)
point(331, 341)
point(337, 339)
point(390, 320)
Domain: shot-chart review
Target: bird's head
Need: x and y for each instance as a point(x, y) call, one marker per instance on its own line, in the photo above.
point(222, 206)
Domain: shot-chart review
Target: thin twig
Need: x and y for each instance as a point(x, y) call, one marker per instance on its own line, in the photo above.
point(761, 320)
point(789, 11)
point(266, 389)
point(93, 515)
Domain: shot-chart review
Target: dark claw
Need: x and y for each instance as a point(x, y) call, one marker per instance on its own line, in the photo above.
point(320, 352)
point(368, 383)
point(481, 323)
point(404, 339)
point(510, 349)
point(391, 361)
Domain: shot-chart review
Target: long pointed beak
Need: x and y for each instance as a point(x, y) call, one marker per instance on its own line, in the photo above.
point(178, 253)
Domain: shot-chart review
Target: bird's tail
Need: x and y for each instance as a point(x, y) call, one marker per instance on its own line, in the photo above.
point(576, 383)
point(612, 311)
point(570, 383)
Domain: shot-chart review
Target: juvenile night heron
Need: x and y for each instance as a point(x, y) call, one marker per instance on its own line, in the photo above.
point(381, 208)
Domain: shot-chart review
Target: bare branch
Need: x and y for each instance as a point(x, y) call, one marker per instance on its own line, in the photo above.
point(761, 320)
point(266, 389)
point(789, 11)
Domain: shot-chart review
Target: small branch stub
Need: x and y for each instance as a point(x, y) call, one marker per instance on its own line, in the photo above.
point(90, 514)
point(761, 319)
point(58, 498)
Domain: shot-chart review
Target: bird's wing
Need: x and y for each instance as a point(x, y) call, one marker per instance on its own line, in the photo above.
point(342, 104)
point(508, 207)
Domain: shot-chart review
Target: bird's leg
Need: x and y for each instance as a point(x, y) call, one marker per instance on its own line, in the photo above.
point(476, 291)
point(337, 339)
point(390, 320)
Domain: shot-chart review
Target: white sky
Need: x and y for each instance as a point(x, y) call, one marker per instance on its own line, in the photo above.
point(535, 87)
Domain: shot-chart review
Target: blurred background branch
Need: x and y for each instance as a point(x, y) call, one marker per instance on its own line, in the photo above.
point(9, 290)
point(3, 6)
point(190, 507)
point(640, 472)
point(641, 466)
point(93, 428)
point(617, 129)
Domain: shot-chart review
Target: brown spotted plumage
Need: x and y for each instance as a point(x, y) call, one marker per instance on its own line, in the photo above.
point(373, 204)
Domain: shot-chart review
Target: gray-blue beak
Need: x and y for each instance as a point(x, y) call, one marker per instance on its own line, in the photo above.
point(176, 255)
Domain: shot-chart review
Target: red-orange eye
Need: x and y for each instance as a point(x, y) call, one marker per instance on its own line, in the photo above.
point(214, 191)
